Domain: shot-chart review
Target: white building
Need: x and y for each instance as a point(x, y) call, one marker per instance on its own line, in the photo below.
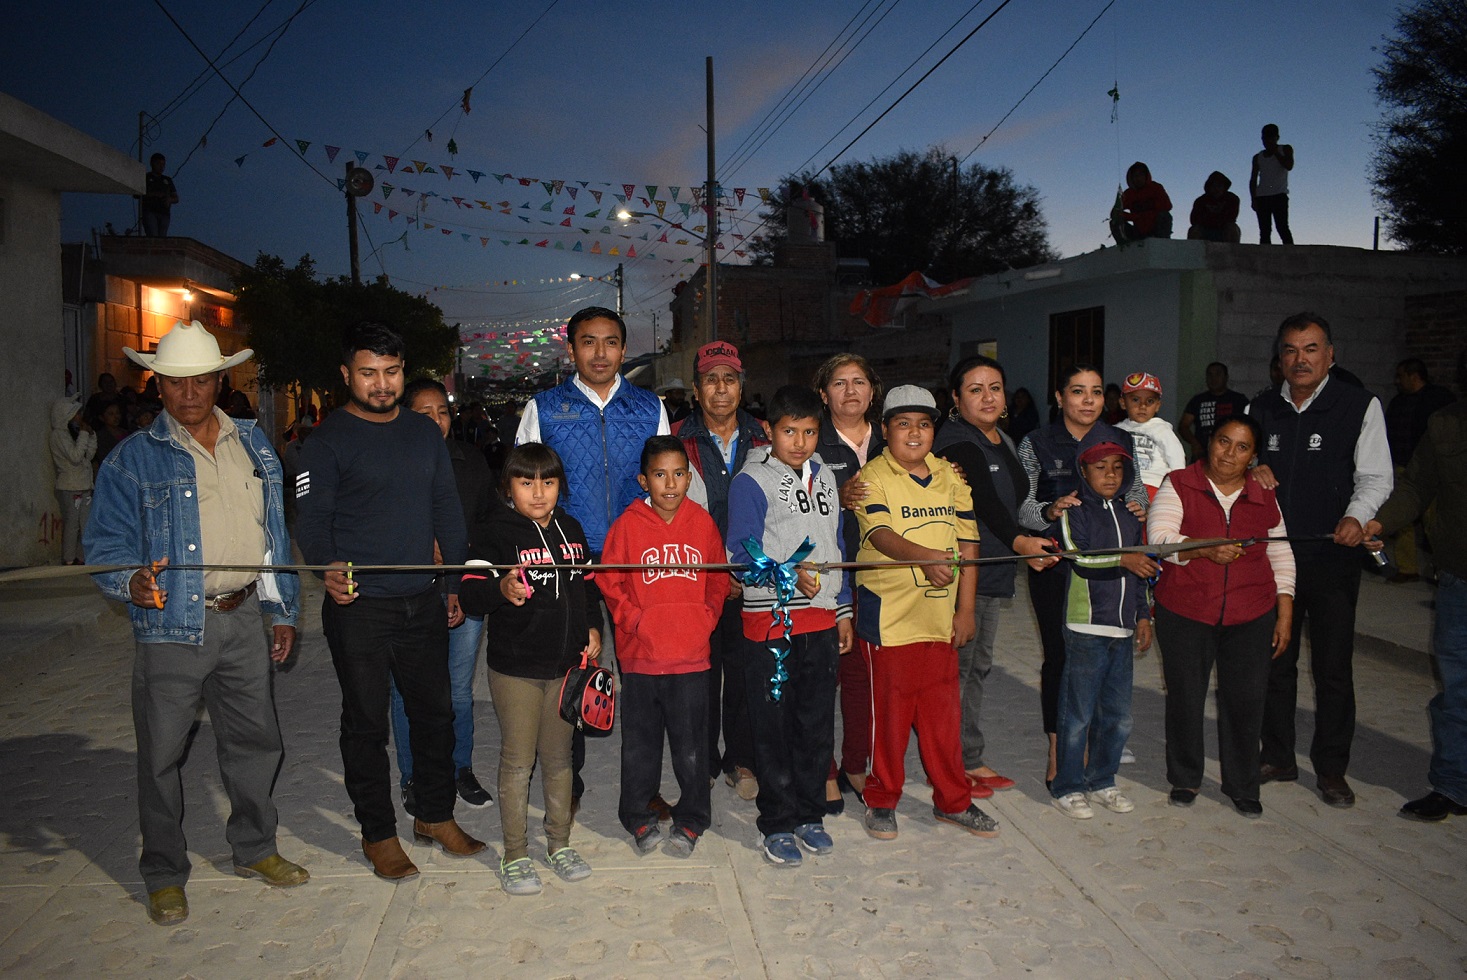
point(39, 159)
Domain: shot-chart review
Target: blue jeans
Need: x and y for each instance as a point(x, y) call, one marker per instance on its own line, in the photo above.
point(1448, 773)
point(1094, 711)
point(463, 655)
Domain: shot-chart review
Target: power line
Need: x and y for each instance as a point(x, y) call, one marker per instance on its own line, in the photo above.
point(889, 85)
point(485, 75)
point(1037, 84)
point(925, 75)
point(806, 85)
point(193, 86)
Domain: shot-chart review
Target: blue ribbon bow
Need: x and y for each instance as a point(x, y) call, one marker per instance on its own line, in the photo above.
point(781, 576)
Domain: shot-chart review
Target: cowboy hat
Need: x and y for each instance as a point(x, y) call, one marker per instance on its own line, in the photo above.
point(187, 350)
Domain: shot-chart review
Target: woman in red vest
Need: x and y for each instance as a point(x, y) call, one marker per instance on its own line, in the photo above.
point(1225, 604)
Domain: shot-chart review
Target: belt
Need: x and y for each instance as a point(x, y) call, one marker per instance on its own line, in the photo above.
point(227, 601)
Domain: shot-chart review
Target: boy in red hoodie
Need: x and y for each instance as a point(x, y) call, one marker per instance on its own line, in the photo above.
point(664, 618)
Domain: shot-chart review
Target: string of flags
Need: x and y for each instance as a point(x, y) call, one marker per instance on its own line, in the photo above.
point(498, 354)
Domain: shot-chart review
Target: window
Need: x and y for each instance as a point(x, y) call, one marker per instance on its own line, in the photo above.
point(1075, 337)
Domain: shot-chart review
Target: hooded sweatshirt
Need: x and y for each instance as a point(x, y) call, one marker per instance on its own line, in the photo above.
point(663, 617)
point(1103, 597)
point(72, 455)
point(543, 638)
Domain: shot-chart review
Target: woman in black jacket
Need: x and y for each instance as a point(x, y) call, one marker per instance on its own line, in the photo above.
point(972, 438)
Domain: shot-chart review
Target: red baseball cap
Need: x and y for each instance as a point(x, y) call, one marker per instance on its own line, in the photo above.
point(1141, 381)
point(1101, 450)
point(718, 352)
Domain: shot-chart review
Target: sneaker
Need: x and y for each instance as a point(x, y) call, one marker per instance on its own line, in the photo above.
point(1073, 805)
point(1111, 799)
point(973, 820)
point(680, 843)
point(743, 781)
point(813, 838)
point(881, 823)
point(647, 837)
point(470, 791)
point(782, 849)
point(519, 878)
point(409, 799)
point(1127, 756)
point(569, 865)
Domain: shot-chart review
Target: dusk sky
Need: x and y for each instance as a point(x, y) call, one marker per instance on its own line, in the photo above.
point(614, 94)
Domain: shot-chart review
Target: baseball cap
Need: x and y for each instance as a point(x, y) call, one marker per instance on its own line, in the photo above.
point(1101, 450)
point(908, 398)
point(716, 353)
point(1141, 381)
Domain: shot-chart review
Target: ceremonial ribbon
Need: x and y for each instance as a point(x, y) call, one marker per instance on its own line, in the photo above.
point(781, 576)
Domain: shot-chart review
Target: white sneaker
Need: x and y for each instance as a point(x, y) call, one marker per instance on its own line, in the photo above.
point(1127, 756)
point(1111, 799)
point(1073, 805)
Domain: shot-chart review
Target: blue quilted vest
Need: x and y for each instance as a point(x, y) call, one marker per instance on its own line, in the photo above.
point(602, 451)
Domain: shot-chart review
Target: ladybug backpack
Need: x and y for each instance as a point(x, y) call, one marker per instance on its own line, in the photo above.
point(588, 698)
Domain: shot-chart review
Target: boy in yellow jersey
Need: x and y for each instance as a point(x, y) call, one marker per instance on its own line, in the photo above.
point(911, 619)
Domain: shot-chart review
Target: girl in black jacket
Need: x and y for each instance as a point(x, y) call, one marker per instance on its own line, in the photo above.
point(536, 617)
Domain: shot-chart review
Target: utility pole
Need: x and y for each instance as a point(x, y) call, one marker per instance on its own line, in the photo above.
point(351, 231)
point(620, 292)
point(710, 199)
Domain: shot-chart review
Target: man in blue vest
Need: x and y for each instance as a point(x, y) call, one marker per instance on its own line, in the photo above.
point(597, 422)
point(1325, 448)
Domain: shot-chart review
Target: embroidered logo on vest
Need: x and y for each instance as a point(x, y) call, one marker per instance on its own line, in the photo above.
point(1273, 443)
point(1315, 440)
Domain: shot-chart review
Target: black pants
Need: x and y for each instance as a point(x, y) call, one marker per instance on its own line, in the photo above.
point(1047, 596)
point(1273, 209)
point(728, 708)
point(651, 705)
point(404, 638)
point(1242, 653)
point(794, 736)
point(1325, 596)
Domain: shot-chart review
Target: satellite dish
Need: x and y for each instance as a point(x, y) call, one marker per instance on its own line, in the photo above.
point(359, 182)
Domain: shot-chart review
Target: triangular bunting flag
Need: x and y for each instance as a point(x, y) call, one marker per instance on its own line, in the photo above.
point(446, 231)
point(560, 245)
point(596, 248)
point(764, 194)
point(387, 190)
point(592, 214)
point(663, 238)
point(525, 181)
point(427, 226)
point(739, 193)
point(270, 142)
point(391, 163)
point(421, 165)
point(542, 244)
point(549, 186)
point(573, 191)
point(331, 152)
point(558, 185)
point(239, 161)
point(303, 146)
point(630, 189)
point(652, 191)
point(565, 223)
point(465, 235)
point(476, 175)
point(340, 184)
point(376, 207)
point(447, 170)
point(391, 214)
point(546, 206)
point(597, 196)
point(484, 242)
point(429, 170)
point(632, 252)
point(613, 251)
point(361, 155)
point(577, 247)
point(687, 209)
point(674, 191)
point(569, 210)
point(500, 178)
point(661, 207)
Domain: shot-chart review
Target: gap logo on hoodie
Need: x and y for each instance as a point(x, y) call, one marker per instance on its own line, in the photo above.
point(671, 554)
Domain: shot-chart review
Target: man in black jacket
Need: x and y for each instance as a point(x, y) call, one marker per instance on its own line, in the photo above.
point(376, 488)
point(1325, 450)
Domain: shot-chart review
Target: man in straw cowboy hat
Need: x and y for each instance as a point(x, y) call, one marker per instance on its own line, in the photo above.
point(198, 487)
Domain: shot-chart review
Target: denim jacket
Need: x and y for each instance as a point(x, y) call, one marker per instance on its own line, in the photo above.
point(144, 507)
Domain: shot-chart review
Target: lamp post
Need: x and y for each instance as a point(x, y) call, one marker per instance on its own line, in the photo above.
point(619, 279)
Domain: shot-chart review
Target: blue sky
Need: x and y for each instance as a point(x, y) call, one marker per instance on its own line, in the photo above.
point(613, 94)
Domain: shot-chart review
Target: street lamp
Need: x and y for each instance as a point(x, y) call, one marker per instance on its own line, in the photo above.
point(709, 243)
point(620, 281)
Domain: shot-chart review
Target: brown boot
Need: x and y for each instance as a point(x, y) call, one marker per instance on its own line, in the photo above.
point(449, 834)
point(389, 860)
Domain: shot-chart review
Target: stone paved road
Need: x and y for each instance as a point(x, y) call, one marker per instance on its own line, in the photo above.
point(1305, 892)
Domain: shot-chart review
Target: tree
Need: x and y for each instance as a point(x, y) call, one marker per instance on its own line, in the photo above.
point(295, 323)
point(1421, 142)
point(923, 212)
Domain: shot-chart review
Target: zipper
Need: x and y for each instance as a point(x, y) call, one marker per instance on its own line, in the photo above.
point(1227, 532)
point(605, 467)
point(1121, 605)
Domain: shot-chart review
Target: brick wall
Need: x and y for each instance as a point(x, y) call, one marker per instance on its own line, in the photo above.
point(1436, 331)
